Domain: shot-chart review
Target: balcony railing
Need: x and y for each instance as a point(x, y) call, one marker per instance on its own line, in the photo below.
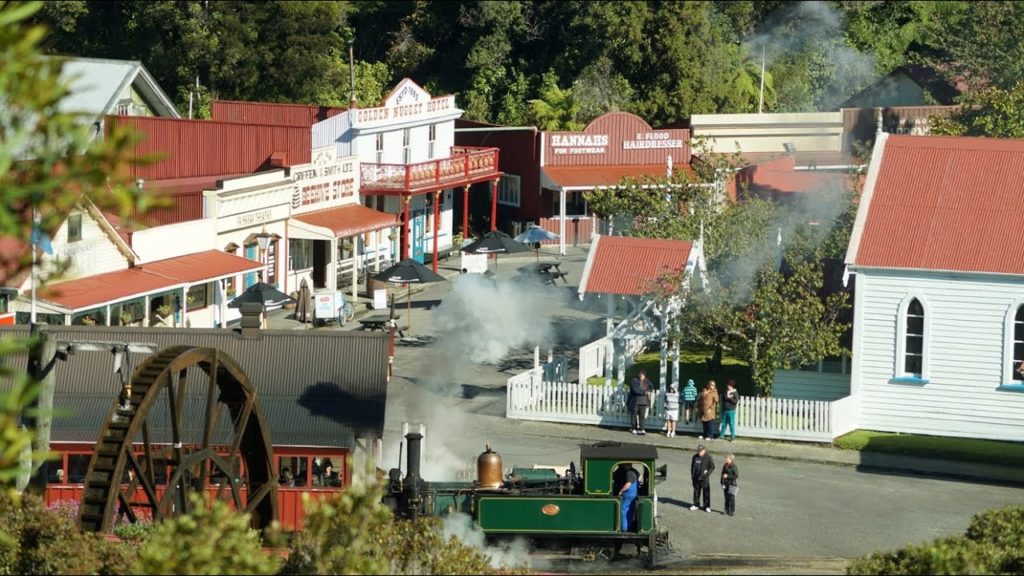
point(464, 165)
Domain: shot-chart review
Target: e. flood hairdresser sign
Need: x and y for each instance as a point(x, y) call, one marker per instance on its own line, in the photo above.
point(598, 143)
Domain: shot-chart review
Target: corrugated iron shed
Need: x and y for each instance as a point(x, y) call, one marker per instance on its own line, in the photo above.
point(191, 148)
point(630, 266)
point(303, 115)
point(942, 203)
point(316, 388)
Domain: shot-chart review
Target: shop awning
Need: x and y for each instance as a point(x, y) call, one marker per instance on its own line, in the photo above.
point(589, 177)
point(152, 278)
point(349, 220)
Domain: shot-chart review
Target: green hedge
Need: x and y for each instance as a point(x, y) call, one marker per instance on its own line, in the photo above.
point(993, 544)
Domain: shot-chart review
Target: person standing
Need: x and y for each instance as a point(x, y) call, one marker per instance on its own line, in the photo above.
point(707, 404)
point(730, 400)
point(689, 399)
point(639, 392)
point(671, 410)
point(730, 473)
point(627, 476)
point(701, 467)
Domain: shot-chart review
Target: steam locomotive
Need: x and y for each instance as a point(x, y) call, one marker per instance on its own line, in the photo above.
point(578, 508)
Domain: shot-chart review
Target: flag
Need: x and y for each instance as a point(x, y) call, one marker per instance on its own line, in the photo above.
point(41, 240)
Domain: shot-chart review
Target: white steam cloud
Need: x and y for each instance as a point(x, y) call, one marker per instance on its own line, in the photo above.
point(514, 554)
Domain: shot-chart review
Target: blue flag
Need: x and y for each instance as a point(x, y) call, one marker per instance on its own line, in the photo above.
point(41, 240)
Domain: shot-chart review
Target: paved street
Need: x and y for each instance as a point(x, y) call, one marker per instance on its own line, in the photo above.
point(449, 374)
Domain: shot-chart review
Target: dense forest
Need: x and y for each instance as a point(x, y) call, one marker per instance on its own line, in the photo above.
point(553, 63)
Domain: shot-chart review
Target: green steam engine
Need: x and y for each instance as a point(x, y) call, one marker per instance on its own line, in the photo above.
point(579, 508)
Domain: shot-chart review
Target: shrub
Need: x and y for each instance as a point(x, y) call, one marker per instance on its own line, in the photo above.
point(209, 540)
point(991, 545)
point(353, 533)
point(44, 541)
point(134, 533)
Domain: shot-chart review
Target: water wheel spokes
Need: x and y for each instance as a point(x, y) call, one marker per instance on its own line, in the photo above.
point(174, 443)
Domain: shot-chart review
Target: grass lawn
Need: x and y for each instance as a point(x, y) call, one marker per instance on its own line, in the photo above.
point(963, 449)
point(691, 365)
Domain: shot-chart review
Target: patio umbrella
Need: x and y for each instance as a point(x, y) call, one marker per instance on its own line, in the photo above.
point(261, 293)
point(409, 272)
point(535, 234)
point(495, 242)
point(302, 308)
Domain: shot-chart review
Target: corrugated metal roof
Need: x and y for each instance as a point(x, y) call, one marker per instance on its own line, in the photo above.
point(349, 220)
point(944, 203)
point(200, 266)
point(283, 114)
point(629, 266)
point(316, 388)
point(93, 83)
point(102, 289)
point(608, 175)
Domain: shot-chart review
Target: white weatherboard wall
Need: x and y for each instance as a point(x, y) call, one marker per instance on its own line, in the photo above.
point(172, 240)
point(964, 355)
point(95, 253)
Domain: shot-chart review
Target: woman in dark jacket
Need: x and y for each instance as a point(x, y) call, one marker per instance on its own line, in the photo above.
point(730, 473)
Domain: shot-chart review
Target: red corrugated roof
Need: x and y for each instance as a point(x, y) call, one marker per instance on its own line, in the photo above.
point(944, 203)
point(161, 275)
point(610, 175)
point(349, 220)
point(629, 266)
point(199, 266)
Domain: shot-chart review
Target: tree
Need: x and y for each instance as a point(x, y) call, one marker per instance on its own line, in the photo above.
point(993, 112)
point(556, 109)
point(599, 89)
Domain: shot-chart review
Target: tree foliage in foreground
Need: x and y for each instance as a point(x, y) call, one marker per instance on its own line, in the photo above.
point(992, 112)
point(993, 544)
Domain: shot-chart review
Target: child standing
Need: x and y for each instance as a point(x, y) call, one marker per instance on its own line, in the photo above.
point(689, 399)
point(671, 410)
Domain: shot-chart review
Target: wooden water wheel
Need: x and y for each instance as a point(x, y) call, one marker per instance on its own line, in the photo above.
point(166, 436)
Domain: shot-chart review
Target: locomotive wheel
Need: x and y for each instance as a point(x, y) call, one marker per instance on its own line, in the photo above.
point(148, 435)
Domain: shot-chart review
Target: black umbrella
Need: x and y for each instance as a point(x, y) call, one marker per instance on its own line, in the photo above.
point(408, 272)
point(261, 293)
point(495, 242)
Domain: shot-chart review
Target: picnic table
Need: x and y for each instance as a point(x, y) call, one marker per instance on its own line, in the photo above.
point(381, 322)
point(545, 267)
point(551, 276)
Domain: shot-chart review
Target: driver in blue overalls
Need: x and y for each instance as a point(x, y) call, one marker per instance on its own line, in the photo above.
point(627, 480)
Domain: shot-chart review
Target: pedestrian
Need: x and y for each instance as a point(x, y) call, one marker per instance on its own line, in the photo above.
point(730, 473)
point(689, 399)
point(671, 410)
point(627, 481)
point(730, 400)
point(639, 392)
point(707, 405)
point(701, 467)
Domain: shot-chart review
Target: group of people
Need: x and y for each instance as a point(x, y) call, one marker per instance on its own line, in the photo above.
point(704, 405)
point(701, 467)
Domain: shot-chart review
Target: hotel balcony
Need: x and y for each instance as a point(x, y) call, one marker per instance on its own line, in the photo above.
point(466, 165)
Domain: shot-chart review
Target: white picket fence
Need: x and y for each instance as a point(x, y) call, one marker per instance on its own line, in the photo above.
point(591, 361)
point(529, 398)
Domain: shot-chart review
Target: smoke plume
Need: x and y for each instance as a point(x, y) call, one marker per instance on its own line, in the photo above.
point(514, 554)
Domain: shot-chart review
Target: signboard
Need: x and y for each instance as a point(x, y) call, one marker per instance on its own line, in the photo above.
point(407, 100)
point(616, 138)
point(325, 182)
point(325, 305)
point(474, 263)
point(272, 263)
point(380, 299)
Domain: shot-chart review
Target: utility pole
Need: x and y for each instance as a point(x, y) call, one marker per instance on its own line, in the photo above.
point(760, 95)
point(38, 415)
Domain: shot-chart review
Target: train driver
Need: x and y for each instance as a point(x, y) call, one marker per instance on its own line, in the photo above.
point(627, 491)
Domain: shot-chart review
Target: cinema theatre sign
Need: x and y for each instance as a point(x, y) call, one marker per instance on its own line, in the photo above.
point(579, 143)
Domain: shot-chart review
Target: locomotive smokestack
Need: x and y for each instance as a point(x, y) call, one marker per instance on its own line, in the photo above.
point(412, 475)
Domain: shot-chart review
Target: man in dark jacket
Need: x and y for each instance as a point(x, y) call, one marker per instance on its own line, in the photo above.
point(701, 468)
point(639, 397)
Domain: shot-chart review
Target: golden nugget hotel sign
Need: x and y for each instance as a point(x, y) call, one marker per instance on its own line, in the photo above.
point(579, 143)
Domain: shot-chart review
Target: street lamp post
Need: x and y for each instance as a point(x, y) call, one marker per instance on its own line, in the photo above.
point(263, 239)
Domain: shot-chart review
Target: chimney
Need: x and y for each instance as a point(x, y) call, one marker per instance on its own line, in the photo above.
point(878, 121)
point(351, 77)
point(251, 321)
